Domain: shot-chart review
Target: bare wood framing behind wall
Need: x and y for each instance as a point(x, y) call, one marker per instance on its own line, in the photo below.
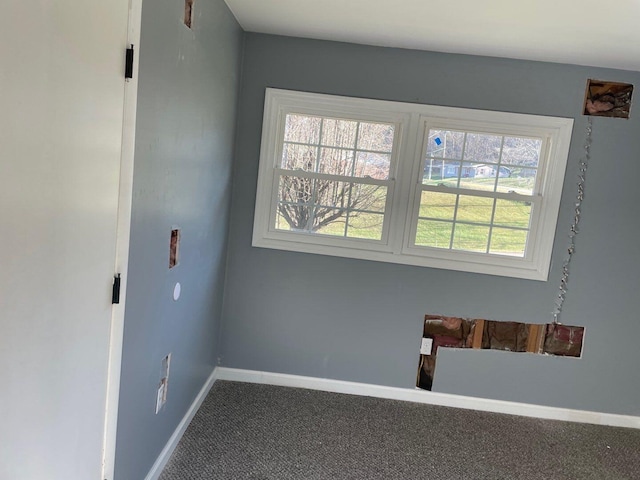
point(480, 334)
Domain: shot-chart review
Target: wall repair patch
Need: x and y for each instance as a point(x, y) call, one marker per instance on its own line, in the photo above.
point(608, 99)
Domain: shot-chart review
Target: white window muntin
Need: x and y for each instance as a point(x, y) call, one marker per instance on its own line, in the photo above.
point(335, 108)
point(533, 200)
point(427, 125)
point(545, 200)
point(408, 157)
point(306, 237)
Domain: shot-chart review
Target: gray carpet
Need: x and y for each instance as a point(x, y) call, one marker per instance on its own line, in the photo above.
point(260, 432)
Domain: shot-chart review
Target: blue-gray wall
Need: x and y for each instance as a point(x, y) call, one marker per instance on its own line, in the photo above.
point(184, 151)
point(361, 321)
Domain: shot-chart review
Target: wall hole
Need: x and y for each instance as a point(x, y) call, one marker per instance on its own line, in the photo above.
point(479, 334)
point(188, 12)
point(608, 99)
point(163, 386)
point(174, 247)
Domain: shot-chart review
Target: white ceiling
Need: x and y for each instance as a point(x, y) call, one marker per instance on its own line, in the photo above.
point(584, 32)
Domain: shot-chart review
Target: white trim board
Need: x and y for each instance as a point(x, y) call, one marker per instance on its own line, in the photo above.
point(123, 231)
point(423, 396)
point(171, 445)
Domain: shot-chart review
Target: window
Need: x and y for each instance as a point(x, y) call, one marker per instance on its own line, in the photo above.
point(442, 187)
point(333, 176)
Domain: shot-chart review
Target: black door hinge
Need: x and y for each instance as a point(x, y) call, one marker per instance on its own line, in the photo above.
point(115, 293)
point(128, 66)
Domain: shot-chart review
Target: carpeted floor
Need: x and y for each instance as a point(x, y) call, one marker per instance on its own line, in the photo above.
point(260, 432)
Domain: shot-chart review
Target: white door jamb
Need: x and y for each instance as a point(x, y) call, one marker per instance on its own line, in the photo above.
point(122, 241)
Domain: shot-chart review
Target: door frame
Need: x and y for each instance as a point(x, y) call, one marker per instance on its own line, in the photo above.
point(125, 197)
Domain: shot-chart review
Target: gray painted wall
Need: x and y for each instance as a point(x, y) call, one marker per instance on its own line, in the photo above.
point(361, 321)
point(184, 149)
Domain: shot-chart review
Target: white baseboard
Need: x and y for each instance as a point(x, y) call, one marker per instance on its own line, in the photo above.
point(380, 391)
point(171, 445)
point(424, 396)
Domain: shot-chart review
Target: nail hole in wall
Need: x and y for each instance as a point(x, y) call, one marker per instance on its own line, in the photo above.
point(188, 12)
point(174, 247)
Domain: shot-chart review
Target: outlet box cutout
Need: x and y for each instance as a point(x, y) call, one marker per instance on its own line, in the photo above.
point(455, 332)
point(188, 13)
point(174, 248)
point(608, 99)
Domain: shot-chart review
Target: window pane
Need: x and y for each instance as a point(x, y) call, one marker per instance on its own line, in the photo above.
point(479, 176)
point(296, 190)
point(295, 156)
point(445, 144)
point(350, 196)
point(483, 170)
point(441, 172)
point(365, 225)
point(367, 197)
point(432, 233)
point(521, 151)
point(374, 165)
point(474, 238)
point(512, 214)
point(520, 180)
point(339, 133)
point(329, 222)
point(281, 222)
point(508, 242)
point(332, 200)
point(375, 136)
point(437, 205)
point(474, 209)
point(334, 161)
point(294, 217)
point(302, 129)
point(482, 148)
point(329, 193)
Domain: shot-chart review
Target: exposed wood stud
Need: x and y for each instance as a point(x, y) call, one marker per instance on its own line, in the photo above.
point(477, 334)
point(536, 338)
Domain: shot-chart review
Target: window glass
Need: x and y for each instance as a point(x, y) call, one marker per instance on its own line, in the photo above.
point(468, 190)
point(343, 150)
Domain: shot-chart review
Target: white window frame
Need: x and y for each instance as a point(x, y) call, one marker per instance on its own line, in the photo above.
point(412, 122)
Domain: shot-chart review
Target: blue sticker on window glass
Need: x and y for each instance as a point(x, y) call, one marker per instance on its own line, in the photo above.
point(438, 141)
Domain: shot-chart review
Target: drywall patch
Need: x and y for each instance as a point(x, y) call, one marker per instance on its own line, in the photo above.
point(174, 247)
point(188, 13)
point(608, 99)
point(480, 334)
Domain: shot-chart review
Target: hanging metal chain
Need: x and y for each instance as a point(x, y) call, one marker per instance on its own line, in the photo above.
point(573, 231)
